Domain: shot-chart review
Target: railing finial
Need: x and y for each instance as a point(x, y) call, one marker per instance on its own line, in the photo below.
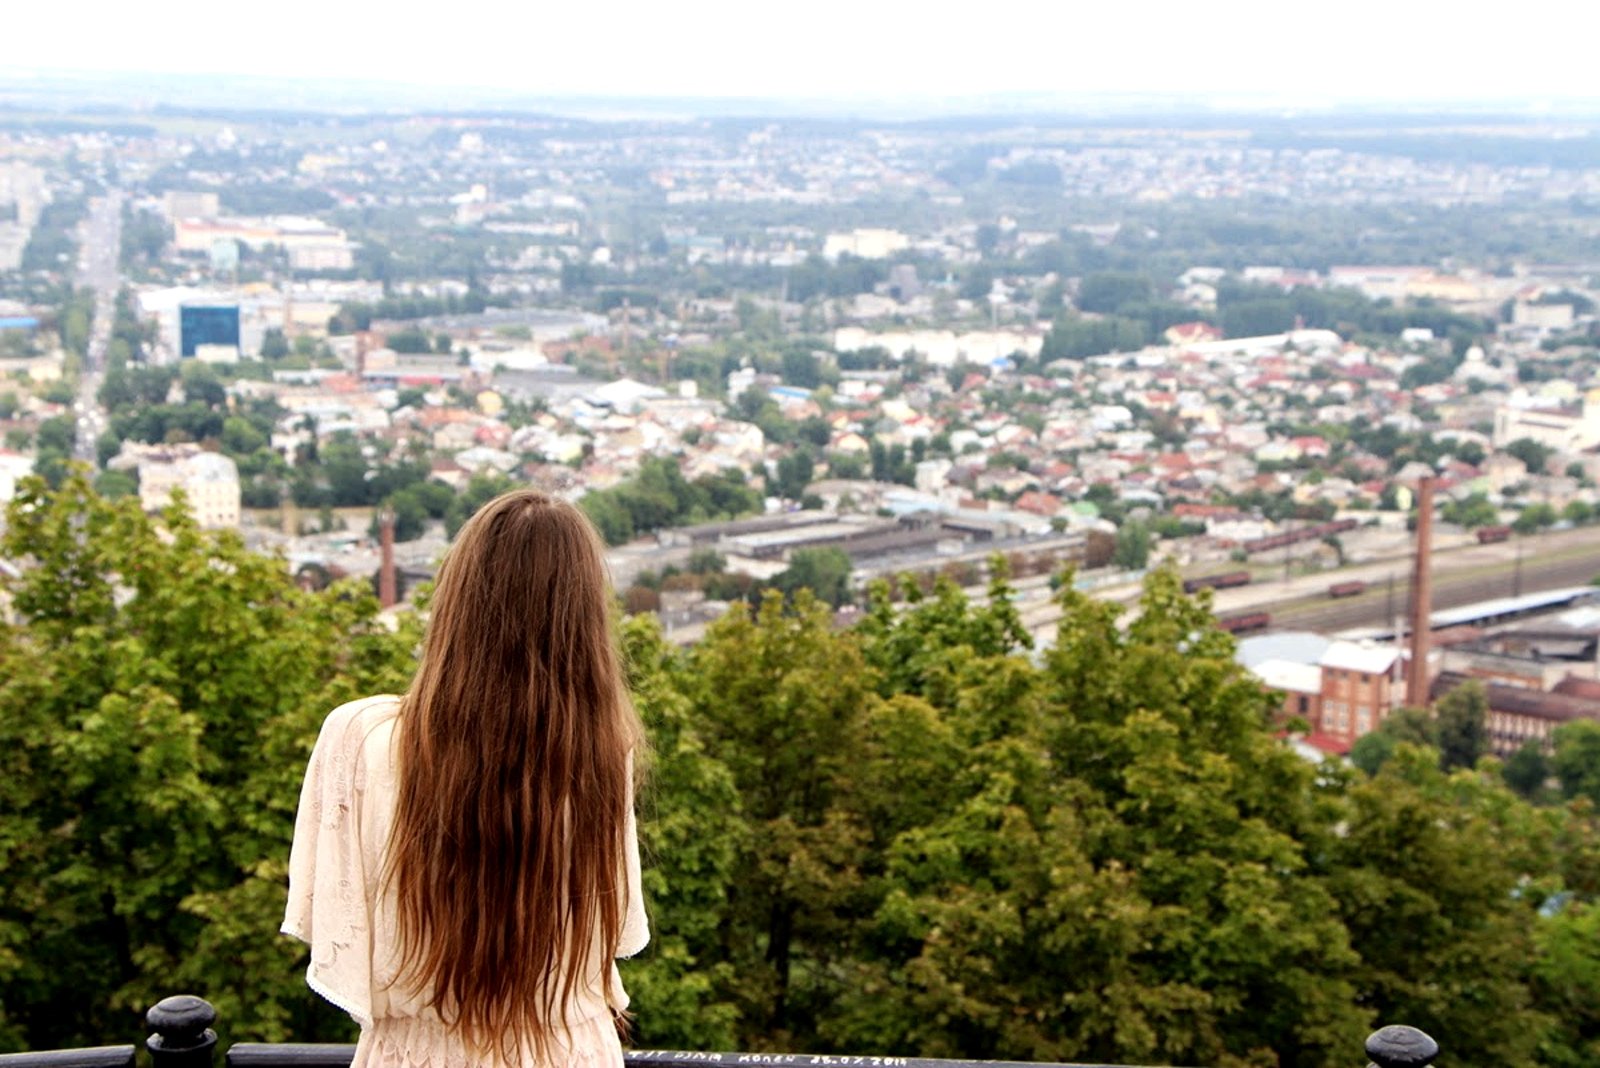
point(181, 1035)
point(1401, 1047)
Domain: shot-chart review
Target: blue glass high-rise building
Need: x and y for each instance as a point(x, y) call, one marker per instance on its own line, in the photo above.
point(207, 324)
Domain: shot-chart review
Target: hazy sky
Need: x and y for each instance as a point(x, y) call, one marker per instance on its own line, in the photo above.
point(1306, 53)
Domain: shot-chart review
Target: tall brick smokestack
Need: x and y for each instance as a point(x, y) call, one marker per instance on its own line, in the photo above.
point(387, 595)
point(1421, 598)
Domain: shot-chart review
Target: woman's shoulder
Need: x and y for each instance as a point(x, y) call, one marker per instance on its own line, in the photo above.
point(354, 743)
point(353, 722)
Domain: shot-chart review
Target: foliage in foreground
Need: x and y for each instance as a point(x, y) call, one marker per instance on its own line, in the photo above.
point(157, 703)
point(915, 836)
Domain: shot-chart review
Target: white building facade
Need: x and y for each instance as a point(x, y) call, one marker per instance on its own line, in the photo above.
point(209, 480)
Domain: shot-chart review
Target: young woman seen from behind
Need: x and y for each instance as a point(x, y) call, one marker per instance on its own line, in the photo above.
point(465, 864)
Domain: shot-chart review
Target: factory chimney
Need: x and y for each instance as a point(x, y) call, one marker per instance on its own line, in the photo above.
point(1421, 598)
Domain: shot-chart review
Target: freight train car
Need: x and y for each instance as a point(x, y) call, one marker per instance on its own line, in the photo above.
point(1286, 538)
point(1489, 535)
point(1245, 622)
point(1216, 582)
point(1347, 589)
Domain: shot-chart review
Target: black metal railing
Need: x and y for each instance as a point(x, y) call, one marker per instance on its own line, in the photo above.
point(181, 1036)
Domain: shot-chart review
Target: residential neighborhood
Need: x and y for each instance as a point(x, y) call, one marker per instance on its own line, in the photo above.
point(303, 340)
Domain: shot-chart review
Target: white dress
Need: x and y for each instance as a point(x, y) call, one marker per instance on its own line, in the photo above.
point(346, 807)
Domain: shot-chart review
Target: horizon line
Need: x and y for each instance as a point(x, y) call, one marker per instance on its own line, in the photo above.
point(388, 95)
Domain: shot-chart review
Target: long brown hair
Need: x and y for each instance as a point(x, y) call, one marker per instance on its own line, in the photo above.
point(506, 856)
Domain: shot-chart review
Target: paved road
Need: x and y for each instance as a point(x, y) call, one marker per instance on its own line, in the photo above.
point(98, 269)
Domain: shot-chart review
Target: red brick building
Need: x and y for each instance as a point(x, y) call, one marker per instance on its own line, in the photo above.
point(1359, 686)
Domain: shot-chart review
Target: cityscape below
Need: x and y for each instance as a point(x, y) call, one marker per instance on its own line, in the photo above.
point(1334, 372)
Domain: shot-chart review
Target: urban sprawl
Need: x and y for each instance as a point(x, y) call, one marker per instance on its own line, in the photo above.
point(775, 354)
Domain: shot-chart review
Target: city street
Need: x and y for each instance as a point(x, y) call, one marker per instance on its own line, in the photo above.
point(99, 249)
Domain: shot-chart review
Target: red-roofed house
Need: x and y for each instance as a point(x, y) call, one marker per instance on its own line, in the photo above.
point(1189, 333)
point(1311, 445)
point(1039, 503)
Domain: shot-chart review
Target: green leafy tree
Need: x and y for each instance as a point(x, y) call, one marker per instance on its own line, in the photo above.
point(1108, 291)
point(58, 392)
point(1534, 518)
point(106, 446)
point(116, 391)
point(782, 696)
point(683, 988)
point(1427, 875)
point(846, 465)
point(824, 571)
point(1255, 318)
point(1528, 769)
point(659, 496)
point(410, 517)
point(1531, 453)
point(1403, 726)
point(411, 341)
point(915, 836)
point(707, 562)
point(794, 475)
point(56, 434)
point(53, 444)
point(914, 648)
point(1474, 511)
point(801, 367)
point(1566, 982)
point(274, 346)
point(1132, 551)
point(1462, 726)
point(1072, 337)
point(890, 463)
point(1149, 762)
point(76, 316)
point(240, 436)
point(114, 484)
point(201, 385)
point(344, 470)
point(149, 771)
point(1577, 759)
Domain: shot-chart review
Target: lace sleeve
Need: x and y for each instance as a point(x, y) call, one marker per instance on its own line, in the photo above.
point(328, 905)
point(635, 925)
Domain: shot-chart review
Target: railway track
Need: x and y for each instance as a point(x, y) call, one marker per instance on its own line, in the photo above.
point(1571, 565)
point(1376, 608)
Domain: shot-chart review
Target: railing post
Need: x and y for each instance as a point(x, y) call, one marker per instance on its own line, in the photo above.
point(181, 1035)
point(1401, 1047)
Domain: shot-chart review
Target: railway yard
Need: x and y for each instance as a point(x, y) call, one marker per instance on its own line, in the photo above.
point(1464, 572)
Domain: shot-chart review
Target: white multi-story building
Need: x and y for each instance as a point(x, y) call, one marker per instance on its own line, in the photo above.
point(942, 348)
point(14, 466)
point(1569, 428)
point(209, 480)
point(867, 244)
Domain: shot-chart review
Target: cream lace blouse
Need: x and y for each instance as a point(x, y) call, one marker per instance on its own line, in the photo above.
point(346, 807)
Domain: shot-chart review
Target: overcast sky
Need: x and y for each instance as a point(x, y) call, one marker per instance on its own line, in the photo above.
point(1305, 54)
